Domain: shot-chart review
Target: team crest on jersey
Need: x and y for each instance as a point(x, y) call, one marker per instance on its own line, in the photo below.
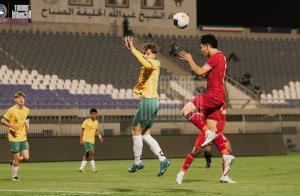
point(3, 11)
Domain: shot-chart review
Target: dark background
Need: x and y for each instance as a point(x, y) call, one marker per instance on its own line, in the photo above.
point(247, 13)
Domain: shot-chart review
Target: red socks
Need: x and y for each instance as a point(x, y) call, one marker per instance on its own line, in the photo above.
point(220, 143)
point(198, 120)
point(223, 165)
point(188, 161)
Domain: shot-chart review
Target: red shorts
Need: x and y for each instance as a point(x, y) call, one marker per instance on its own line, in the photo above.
point(205, 105)
point(220, 118)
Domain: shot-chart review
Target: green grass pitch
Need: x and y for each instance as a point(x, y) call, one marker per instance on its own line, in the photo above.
point(270, 175)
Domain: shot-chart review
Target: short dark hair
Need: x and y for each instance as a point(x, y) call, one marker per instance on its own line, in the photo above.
point(209, 39)
point(150, 46)
point(19, 94)
point(93, 110)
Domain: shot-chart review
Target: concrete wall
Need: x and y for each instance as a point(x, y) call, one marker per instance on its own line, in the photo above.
point(120, 147)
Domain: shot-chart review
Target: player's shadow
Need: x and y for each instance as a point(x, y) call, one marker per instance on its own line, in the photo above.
point(200, 167)
point(179, 190)
point(122, 190)
point(191, 180)
point(5, 179)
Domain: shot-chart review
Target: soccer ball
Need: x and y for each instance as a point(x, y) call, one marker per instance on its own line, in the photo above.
point(181, 20)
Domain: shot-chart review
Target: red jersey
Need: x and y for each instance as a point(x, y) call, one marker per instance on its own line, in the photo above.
point(215, 77)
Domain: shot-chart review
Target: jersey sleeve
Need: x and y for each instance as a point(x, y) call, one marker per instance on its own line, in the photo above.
point(151, 64)
point(84, 124)
point(7, 115)
point(213, 61)
point(155, 64)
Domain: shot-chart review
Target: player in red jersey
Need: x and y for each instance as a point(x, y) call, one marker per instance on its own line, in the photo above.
point(221, 142)
point(214, 96)
point(198, 110)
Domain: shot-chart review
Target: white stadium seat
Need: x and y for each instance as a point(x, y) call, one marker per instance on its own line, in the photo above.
point(88, 86)
point(102, 86)
point(115, 91)
point(269, 98)
point(101, 91)
point(75, 81)
point(95, 86)
point(109, 86)
point(263, 98)
point(3, 67)
point(34, 72)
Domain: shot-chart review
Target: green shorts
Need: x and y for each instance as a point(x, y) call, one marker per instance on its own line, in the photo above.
point(88, 146)
point(16, 147)
point(146, 113)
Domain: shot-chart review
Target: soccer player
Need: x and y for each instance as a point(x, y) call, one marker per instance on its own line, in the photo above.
point(208, 155)
point(148, 107)
point(221, 143)
point(89, 129)
point(214, 96)
point(16, 119)
point(210, 102)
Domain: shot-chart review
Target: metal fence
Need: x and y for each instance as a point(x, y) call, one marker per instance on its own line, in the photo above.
point(57, 123)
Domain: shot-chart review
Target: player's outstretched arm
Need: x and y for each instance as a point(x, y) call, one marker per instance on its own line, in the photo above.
point(138, 55)
point(200, 71)
point(128, 42)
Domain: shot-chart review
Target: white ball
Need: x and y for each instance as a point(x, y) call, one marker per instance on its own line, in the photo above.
point(181, 20)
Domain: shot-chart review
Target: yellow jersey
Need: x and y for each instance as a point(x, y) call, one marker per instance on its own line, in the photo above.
point(90, 127)
point(148, 78)
point(14, 115)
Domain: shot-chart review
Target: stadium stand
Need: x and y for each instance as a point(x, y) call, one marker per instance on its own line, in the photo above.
point(70, 55)
point(288, 96)
point(74, 69)
point(97, 64)
point(52, 92)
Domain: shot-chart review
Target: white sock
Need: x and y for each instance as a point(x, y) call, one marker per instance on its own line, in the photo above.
point(181, 173)
point(83, 164)
point(92, 163)
point(154, 146)
point(14, 171)
point(137, 148)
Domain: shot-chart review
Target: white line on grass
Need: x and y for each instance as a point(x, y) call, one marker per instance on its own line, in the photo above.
point(63, 192)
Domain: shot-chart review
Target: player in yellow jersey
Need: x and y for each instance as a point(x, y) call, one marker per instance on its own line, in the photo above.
point(148, 107)
point(89, 129)
point(16, 119)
